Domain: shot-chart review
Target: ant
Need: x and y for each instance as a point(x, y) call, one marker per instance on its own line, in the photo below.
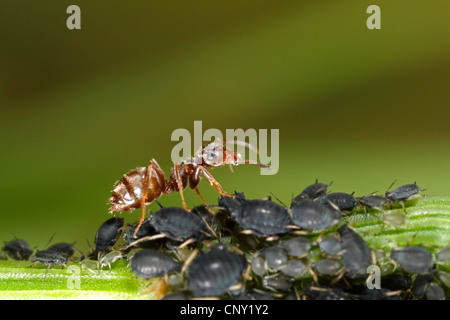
point(141, 186)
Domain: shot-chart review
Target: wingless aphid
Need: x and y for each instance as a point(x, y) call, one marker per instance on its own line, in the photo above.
point(213, 273)
point(293, 268)
point(413, 259)
point(312, 192)
point(67, 249)
point(108, 234)
point(312, 215)
point(344, 201)
point(49, 258)
point(331, 245)
point(402, 193)
point(296, 246)
point(277, 283)
point(356, 255)
point(141, 186)
point(149, 263)
point(18, 249)
point(109, 259)
point(372, 201)
point(263, 218)
point(275, 257)
point(327, 266)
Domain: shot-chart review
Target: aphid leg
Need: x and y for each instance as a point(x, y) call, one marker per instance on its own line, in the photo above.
point(403, 205)
point(189, 260)
point(180, 185)
point(272, 238)
point(373, 256)
point(213, 182)
point(320, 237)
point(185, 243)
point(215, 235)
point(246, 275)
point(148, 238)
point(65, 265)
point(314, 276)
point(47, 269)
point(338, 278)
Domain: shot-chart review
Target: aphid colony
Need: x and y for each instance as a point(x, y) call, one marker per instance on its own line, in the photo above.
point(258, 249)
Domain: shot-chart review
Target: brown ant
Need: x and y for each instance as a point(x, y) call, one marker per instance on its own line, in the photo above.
point(141, 186)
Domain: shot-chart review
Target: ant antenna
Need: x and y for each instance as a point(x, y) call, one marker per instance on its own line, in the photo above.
point(242, 143)
point(259, 164)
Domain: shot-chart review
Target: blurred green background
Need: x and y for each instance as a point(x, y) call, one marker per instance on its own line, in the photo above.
point(79, 108)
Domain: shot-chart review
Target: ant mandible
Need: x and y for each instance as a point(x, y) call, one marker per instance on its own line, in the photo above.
point(141, 186)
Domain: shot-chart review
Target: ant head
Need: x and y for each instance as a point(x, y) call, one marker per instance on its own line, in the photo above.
point(216, 155)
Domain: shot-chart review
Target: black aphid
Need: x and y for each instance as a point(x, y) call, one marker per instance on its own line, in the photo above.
point(258, 265)
point(108, 234)
point(296, 247)
point(435, 292)
point(262, 217)
point(344, 201)
point(330, 245)
point(312, 192)
point(413, 259)
point(403, 193)
point(312, 215)
point(293, 268)
point(356, 255)
point(397, 282)
point(277, 283)
point(178, 224)
point(18, 249)
point(67, 249)
point(213, 273)
point(327, 266)
point(149, 263)
point(49, 258)
point(421, 283)
point(275, 257)
point(372, 201)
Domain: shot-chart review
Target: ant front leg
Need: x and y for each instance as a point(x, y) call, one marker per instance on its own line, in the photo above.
point(180, 184)
point(194, 180)
point(213, 182)
point(145, 186)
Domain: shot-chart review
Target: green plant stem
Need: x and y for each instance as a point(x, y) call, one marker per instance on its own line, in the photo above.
point(427, 223)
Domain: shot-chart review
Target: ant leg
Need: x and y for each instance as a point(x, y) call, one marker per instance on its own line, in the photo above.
point(204, 202)
point(180, 185)
point(213, 181)
point(145, 186)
